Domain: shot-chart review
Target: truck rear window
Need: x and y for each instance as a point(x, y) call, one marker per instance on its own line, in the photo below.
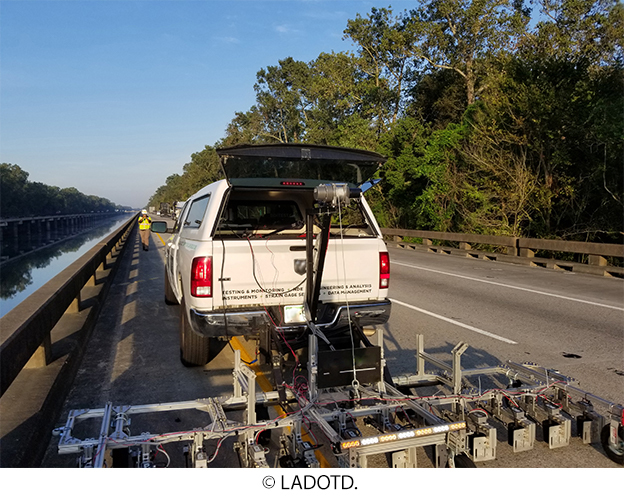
point(284, 219)
point(261, 215)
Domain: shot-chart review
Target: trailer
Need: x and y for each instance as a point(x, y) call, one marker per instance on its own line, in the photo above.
point(337, 392)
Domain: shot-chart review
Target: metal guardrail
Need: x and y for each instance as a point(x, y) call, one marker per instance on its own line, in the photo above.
point(515, 250)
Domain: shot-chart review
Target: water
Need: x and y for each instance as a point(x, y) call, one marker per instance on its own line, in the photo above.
point(23, 276)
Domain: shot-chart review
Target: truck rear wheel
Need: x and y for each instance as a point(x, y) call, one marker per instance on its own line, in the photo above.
point(170, 297)
point(194, 348)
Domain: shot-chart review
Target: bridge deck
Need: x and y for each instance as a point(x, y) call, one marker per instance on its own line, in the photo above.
point(132, 357)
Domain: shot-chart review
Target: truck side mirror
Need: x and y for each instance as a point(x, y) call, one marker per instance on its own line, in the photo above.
point(160, 227)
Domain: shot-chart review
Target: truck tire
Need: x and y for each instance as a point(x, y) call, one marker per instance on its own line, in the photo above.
point(194, 348)
point(170, 297)
point(614, 452)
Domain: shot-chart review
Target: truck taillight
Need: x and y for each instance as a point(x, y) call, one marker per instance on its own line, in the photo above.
point(384, 270)
point(201, 277)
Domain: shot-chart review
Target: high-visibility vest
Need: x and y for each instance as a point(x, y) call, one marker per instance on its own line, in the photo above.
point(144, 223)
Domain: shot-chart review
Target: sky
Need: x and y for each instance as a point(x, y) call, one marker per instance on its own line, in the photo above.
point(112, 97)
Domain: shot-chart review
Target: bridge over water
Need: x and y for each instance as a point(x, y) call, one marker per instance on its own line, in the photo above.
point(101, 331)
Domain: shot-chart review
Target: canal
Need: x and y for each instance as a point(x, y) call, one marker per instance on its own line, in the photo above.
point(21, 276)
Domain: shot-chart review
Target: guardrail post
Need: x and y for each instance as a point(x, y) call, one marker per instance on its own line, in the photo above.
point(427, 242)
point(465, 246)
point(420, 360)
point(597, 260)
point(92, 282)
point(525, 252)
point(43, 355)
point(74, 307)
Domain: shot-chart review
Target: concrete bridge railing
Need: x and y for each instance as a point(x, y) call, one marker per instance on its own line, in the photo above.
point(41, 341)
point(514, 249)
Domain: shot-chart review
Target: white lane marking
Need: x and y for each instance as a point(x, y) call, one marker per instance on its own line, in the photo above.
point(455, 322)
point(510, 286)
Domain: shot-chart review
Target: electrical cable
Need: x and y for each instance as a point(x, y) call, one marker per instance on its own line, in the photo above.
point(162, 450)
point(223, 298)
point(276, 272)
point(253, 262)
point(221, 280)
point(211, 459)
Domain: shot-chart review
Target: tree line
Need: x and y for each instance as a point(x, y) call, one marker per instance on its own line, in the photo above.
point(20, 197)
point(493, 121)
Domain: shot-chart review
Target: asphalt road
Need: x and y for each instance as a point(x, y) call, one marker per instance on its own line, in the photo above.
point(570, 322)
point(573, 323)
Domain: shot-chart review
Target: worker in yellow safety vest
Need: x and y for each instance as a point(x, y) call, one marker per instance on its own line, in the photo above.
point(145, 222)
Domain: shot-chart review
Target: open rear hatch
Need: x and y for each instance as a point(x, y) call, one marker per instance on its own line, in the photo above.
point(297, 165)
point(263, 262)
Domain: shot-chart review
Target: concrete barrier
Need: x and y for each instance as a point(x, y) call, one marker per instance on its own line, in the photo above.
point(66, 307)
point(514, 250)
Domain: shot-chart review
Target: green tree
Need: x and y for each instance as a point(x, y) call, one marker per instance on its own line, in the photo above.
point(13, 184)
point(74, 201)
point(592, 30)
point(489, 125)
point(468, 37)
point(500, 192)
point(335, 99)
point(438, 98)
point(562, 101)
point(19, 197)
point(280, 96)
point(385, 56)
point(246, 127)
point(203, 170)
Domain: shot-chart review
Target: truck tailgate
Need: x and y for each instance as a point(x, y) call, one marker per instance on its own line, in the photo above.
point(263, 272)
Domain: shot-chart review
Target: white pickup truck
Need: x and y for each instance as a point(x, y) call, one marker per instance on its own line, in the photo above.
point(240, 258)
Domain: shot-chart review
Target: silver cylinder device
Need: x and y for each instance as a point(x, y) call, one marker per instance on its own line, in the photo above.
point(333, 194)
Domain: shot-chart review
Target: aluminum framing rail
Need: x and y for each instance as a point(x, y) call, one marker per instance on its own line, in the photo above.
point(454, 424)
point(534, 376)
point(219, 427)
point(541, 395)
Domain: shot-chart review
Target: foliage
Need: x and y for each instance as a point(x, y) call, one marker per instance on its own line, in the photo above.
point(491, 124)
point(201, 171)
point(20, 197)
point(467, 37)
point(385, 54)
